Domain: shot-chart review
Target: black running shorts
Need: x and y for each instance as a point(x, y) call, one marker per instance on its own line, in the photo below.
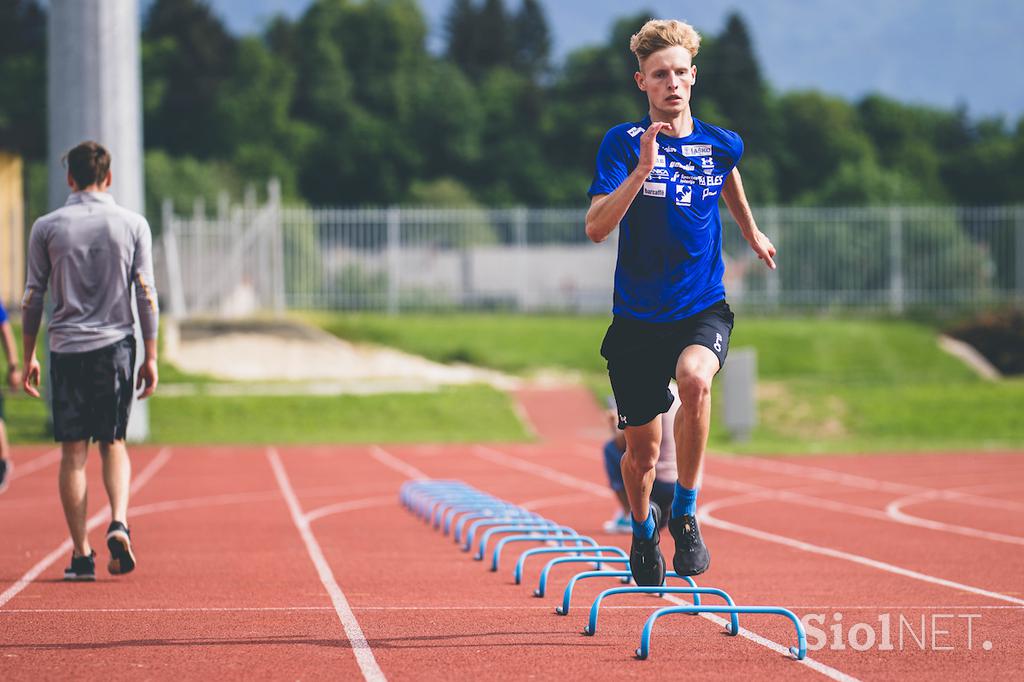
point(642, 358)
point(92, 392)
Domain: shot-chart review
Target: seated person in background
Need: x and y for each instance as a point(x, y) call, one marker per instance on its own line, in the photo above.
point(665, 477)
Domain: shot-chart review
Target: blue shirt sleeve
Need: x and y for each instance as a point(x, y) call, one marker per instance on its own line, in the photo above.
point(736, 147)
point(612, 167)
point(3, 314)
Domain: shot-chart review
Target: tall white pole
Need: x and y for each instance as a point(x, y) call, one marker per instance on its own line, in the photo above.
point(95, 93)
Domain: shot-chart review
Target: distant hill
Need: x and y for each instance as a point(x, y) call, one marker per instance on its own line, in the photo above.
point(939, 52)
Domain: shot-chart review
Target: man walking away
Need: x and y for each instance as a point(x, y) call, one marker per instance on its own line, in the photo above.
point(89, 254)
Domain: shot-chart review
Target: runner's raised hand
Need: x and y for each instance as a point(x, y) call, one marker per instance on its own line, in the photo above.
point(649, 145)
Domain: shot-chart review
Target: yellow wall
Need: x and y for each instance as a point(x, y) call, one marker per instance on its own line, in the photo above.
point(12, 229)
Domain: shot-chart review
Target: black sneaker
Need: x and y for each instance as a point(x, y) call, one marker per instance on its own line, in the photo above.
point(691, 557)
point(5, 474)
point(645, 560)
point(119, 542)
point(82, 568)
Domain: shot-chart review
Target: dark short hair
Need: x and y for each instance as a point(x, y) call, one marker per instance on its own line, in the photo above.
point(88, 163)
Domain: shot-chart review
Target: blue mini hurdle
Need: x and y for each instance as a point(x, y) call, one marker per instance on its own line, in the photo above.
point(456, 508)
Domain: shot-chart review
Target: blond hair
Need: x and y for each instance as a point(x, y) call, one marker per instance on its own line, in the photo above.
point(657, 34)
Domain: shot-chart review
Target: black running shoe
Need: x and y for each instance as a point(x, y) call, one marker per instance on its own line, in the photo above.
point(119, 541)
point(691, 557)
point(82, 568)
point(645, 560)
point(5, 474)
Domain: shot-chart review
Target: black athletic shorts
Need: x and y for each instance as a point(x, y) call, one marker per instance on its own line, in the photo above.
point(642, 358)
point(92, 392)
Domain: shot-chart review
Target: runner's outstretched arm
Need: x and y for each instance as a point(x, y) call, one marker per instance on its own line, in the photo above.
point(736, 201)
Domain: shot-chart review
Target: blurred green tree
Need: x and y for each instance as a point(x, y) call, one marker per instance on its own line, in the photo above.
point(188, 56)
point(23, 77)
point(531, 40)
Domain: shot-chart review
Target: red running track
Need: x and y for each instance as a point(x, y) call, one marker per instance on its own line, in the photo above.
point(299, 563)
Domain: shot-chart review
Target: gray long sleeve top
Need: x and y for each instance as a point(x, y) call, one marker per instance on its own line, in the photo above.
point(89, 253)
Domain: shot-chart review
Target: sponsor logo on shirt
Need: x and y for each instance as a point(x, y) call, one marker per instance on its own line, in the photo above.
point(636, 130)
point(685, 167)
point(659, 161)
point(684, 195)
point(707, 165)
point(685, 179)
point(708, 193)
point(670, 150)
point(696, 150)
point(654, 189)
point(658, 174)
point(710, 180)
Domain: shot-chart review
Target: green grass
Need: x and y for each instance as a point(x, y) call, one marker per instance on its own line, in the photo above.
point(451, 415)
point(25, 419)
point(825, 384)
point(510, 343)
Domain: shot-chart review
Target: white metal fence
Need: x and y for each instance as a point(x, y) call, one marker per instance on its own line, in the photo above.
point(268, 257)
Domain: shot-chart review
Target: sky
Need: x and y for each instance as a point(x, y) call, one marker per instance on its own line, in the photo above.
point(940, 52)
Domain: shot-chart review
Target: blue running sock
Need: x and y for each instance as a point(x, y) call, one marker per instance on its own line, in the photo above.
point(684, 501)
point(644, 530)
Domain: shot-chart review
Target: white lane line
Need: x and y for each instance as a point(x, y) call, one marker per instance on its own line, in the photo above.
point(854, 481)
point(33, 465)
point(891, 514)
point(198, 502)
point(351, 505)
point(543, 471)
point(894, 510)
point(818, 608)
point(301, 609)
point(554, 501)
point(389, 460)
point(705, 516)
point(360, 647)
point(95, 520)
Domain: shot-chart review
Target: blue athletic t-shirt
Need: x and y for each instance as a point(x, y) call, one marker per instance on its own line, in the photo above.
point(3, 314)
point(670, 240)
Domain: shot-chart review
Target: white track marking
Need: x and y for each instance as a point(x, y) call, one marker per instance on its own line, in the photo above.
point(199, 502)
point(819, 608)
point(891, 514)
point(543, 471)
point(705, 516)
point(95, 520)
point(360, 647)
point(554, 501)
point(404, 468)
point(894, 510)
point(33, 465)
point(854, 481)
point(524, 418)
point(301, 609)
point(351, 505)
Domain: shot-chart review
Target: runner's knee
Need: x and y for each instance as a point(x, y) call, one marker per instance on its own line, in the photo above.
point(642, 456)
point(694, 388)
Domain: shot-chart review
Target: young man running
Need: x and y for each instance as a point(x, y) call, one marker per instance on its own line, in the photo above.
point(90, 253)
point(14, 381)
point(658, 180)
